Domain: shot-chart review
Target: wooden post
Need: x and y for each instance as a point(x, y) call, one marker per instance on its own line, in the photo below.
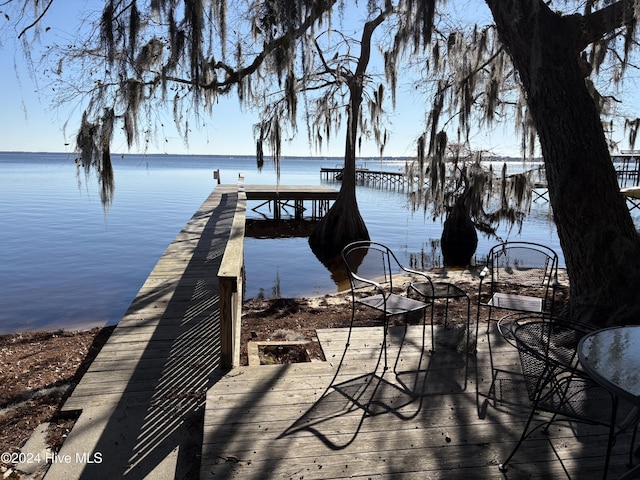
point(231, 283)
point(299, 208)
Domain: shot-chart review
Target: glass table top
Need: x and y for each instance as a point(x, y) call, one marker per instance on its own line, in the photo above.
point(612, 357)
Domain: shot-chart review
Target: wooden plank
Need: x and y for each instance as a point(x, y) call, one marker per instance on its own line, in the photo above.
point(290, 192)
point(230, 286)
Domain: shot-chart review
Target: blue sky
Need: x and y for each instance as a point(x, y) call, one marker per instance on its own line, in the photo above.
point(28, 121)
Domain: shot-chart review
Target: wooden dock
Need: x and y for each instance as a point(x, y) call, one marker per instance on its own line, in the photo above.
point(627, 165)
point(280, 199)
point(364, 176)
point(286, 421)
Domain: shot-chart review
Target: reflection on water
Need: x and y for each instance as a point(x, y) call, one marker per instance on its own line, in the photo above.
point(427, 258)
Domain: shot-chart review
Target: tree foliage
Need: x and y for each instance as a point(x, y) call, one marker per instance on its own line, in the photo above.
point(138, 57)
point(141, 55)
point(453, 174)
point(474, 84)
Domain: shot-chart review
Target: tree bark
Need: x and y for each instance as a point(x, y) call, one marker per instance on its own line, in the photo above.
point(459, 239)
point(599, 241)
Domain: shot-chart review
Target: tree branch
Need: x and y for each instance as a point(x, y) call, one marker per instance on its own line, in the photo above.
point(35, 22)
point(606, 20)
point(236, 76)
point(367, 33)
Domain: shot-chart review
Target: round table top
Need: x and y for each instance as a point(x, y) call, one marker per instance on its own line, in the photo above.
point(612, 358)
point(438, 290)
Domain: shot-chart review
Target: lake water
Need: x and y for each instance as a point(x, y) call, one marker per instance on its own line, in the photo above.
point(66, 263)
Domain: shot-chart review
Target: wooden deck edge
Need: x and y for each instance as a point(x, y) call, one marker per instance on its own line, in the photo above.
point(231, 285)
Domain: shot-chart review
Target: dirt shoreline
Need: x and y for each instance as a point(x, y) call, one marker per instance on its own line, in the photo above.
point(38, 371)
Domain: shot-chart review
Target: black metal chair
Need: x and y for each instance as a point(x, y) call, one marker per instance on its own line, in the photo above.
point(512, 267)
point(555, 382)
point(520, 277)
point(371, 267)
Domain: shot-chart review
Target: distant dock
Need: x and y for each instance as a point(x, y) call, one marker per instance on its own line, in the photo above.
point(627, 165)
point(364, 176)
point(627, 168)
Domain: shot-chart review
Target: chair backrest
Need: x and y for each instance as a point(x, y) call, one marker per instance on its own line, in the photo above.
point(548, 351)
point(556, 383)
point(523, 264)
point(369, 263)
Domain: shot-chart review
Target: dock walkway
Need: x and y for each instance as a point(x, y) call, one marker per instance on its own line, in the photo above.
point(141, 403)
point(364, 176)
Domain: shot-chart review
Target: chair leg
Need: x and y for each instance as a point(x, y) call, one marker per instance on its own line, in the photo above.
point(366, 404)
point(488, 334)
point(612, 436)
point(633, 442)
point(466, 352)
point(488, 319)
point(419, 369)
point(433, 337)
point(347, 343)
point(491, 393)
point(494, 374)
point(385, 330)
point(476, 370)
point(525, 433)
point(404, 336)
point(395, 366)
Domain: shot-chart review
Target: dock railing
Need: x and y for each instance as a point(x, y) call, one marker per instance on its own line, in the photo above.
point(231, 284)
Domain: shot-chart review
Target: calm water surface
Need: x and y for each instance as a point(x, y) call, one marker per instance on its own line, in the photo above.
point(66, 263)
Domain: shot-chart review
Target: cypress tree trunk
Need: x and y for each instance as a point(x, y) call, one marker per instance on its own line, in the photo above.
point(459, 238)
point(596, 232)
point(343, 223)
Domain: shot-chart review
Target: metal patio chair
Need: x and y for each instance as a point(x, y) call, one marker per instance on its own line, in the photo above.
point(520, 277)
point(556, 384)
point(512, 267)
point(371, 268)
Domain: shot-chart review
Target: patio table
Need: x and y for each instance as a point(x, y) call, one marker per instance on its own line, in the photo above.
point(612, 358)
